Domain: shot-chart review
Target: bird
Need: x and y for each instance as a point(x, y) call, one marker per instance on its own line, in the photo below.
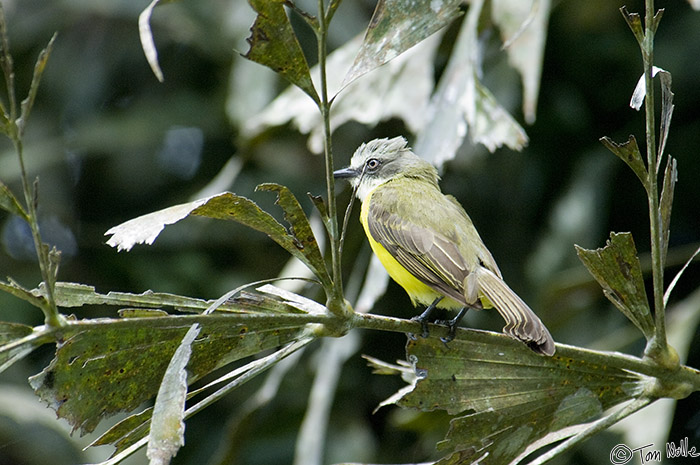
point(429, 245)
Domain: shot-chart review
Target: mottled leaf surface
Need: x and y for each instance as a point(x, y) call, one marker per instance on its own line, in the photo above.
point(167, 432)
point(273, 44)
point(630, 154)
point(234, 207)
point(107, 366)
point(397, 26)
point(617, 269)
point(300, 229)
point(512, 397)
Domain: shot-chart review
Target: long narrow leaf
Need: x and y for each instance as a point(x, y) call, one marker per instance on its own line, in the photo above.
point(9, 202)
point(300, 229)
point(666, 204)
point(28, 102)
point(147, 43)
point(167, 432)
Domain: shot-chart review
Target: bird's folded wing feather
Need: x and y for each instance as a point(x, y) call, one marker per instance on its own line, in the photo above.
point(429, 256)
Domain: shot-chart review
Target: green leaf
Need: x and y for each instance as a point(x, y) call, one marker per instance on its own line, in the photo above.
point(9, 202)
point(12, 331)
point(107, 366)
point(300, 229)
point(666, 111)
point(129, 434)
point(666, 204)
point(227, 206)
point(397, 26)
point(28, 102)
point(167, 431)
point(629, 153)
point(320, 204)
point(126, 432)
point(234, 207)
point(73, 295)
point(616, 268)
point(17, 341)
point(274, 44)
point(512, 396)
point(35, 298)
point(634, 21)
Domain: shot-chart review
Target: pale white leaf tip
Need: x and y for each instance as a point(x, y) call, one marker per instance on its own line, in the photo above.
point(147, 43)
point(145, 229)
point(640, 91)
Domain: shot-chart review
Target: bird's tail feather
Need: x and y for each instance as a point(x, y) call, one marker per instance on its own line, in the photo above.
point(521, 321)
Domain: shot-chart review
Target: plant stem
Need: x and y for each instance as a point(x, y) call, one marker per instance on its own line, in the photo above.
point(658, 348)
point(51, 315)
point(325, 106)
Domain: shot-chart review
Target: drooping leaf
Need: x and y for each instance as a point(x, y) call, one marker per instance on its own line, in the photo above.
point(130, 434)
point(146, 228)
point(300, 229)
point(228, 206)
point(274, 44)
point(233, 207)
point(13, 331)
point(28, 102)
point(397, 26)
point(617, 269)
point(147, 43)
point(376, 97)
point(116, 364)
point(34, 298)
point(167, 431)
point(9, 202)
point(512, 397)
point(666, 113)
point(16, 342)
point(523, 26)
point(666, 204)
point(634, 21)
point(629, 153)
point(320, 204)
point(461, 105)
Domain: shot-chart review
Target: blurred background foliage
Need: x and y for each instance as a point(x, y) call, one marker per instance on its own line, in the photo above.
point(109, 142)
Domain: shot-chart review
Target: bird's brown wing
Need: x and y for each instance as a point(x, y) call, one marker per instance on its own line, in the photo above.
point(429, 255)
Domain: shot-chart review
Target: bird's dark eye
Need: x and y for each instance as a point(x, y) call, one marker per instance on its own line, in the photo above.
point(372, 164)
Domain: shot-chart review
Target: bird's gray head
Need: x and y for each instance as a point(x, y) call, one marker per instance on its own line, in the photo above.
point(382, 160)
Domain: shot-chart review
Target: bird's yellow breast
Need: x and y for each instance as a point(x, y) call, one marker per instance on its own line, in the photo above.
point(419, 292)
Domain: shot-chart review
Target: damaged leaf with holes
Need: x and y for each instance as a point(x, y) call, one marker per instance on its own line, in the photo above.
point(110, 366)
point(508, 397)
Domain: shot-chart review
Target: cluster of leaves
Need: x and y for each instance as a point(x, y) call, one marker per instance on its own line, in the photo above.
point(508, 402)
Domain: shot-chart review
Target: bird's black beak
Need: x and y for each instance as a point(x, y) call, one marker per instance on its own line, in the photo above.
point(345, 173)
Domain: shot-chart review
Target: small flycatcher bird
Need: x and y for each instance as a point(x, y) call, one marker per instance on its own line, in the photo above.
point(428, 244)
